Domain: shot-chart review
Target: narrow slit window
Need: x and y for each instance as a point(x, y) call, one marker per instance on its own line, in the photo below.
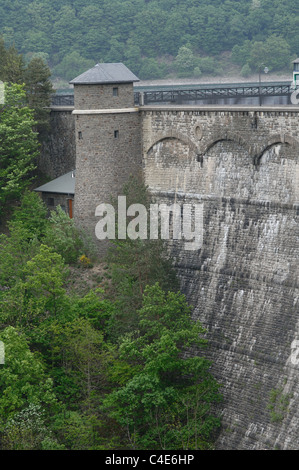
point(116, 134)
point(115, 91)
point(80, 135)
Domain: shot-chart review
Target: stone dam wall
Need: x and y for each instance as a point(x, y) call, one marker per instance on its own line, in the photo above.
point(242, 165)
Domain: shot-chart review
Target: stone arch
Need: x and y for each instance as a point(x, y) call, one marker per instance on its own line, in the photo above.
point(275, 140)
point(175, 135)
point(228, 137)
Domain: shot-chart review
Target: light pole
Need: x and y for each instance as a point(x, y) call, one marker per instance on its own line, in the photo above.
point(266, 70)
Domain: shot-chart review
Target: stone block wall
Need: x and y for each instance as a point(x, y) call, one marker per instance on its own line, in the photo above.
point(242, 165)
point(52, 200)
point(58, 151)
point(108, 152)
point(102, 96)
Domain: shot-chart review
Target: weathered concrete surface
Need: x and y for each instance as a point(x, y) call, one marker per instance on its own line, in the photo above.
point(243, 166)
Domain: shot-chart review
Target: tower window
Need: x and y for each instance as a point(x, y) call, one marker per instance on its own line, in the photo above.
point(50, 201)
point(79, 135)
point(116, 134)
point(115, 91)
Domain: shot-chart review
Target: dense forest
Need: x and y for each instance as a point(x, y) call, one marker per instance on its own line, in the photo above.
point(154, 38)
point(97, 357)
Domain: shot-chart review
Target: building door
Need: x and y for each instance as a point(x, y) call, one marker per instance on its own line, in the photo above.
point(70, 207)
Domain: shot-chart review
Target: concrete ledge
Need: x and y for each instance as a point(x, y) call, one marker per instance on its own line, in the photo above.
point(224, 199)
point(106, 111)
point(223, 108)
point(62, 108)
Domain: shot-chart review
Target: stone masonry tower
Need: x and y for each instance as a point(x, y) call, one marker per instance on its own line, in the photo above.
point(108, 139)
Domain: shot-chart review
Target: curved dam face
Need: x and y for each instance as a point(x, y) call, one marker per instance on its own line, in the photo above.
point(242, 166)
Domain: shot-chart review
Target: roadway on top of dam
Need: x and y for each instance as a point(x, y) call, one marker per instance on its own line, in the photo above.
point(230, 93)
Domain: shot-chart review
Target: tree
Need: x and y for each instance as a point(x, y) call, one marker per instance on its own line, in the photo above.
point(39, 89)
point(246, 71)
point(185, 61)
point(62, 235)
point(241, 54)
point(22, 378)
point(2, 57)
point(13, 65)
point(28, 430)
point(31, 215)
point(85, 357)
point(273, 53)
point(150, 68)
point(18, 145)
point(26, 228)
point(166, 404)
point(38, 292)
point(72, 64)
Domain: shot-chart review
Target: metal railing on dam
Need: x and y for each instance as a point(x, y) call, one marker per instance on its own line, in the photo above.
point(195, 93)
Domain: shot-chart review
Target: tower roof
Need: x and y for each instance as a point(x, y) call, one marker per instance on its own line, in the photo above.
point(105, 74)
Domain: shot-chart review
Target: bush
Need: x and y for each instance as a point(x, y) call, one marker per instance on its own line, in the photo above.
point(31, 215)
point(197, 72)
point(246, 71)
point(63, 236)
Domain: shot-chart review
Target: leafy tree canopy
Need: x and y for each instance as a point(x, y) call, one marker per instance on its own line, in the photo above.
point(18, 144)
point(75, 34)
point(166, 404)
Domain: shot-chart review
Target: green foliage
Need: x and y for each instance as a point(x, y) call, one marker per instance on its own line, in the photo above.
point(72, 65)
point(31, 215)
point(34, 76)
point(278, 404)
point(18, 145)
point(62, 235)
point(197, 72)
point(275, 53)
point(39, 90)
point(64, 354)
point(27, 430)
point(185, 61)
point(37, 292)
point(15, 251)
point(26, 226)
point(167, 402)
point(22, 378)
point(76, 35)
point(209, 65)
point(241, 53)
point(80, 349)
point(246, 71)
point(134, 264)
point(12, 64)
point(150, 68)
point(78, 431)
